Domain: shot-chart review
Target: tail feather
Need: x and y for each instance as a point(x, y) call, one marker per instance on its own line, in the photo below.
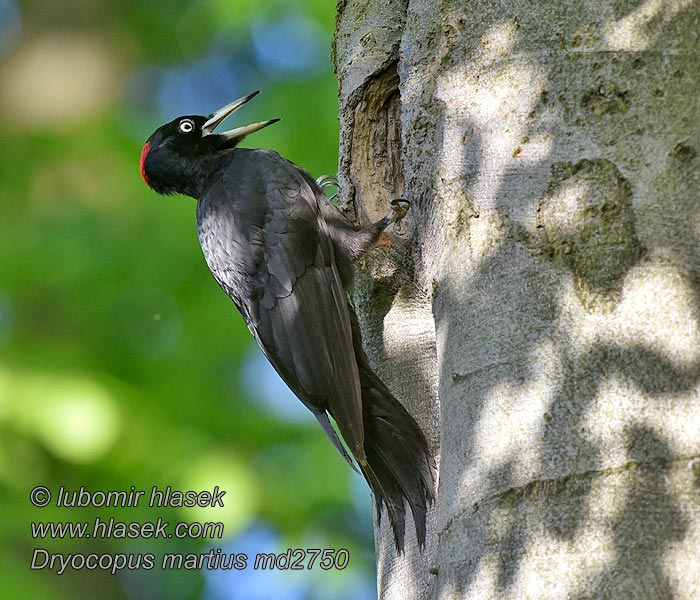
point(386, 493)
point(400, 468)
point(335, 440)
point(399, 465)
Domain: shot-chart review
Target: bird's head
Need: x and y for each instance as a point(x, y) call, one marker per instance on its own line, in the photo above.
point(175, 157)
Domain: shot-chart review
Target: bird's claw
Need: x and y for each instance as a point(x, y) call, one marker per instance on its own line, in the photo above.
point(325, 181)
point(399, 208)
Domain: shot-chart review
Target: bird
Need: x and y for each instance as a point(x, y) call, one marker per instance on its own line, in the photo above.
point(284, 254)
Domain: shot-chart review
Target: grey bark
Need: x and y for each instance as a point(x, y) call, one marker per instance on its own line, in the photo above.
point(540, 315)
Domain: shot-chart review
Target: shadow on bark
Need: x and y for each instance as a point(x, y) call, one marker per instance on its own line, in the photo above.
point(599, 253)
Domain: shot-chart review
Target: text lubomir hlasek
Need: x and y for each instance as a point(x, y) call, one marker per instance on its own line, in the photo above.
point(132, 497)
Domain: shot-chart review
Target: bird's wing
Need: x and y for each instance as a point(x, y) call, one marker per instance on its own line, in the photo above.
point(270, 249)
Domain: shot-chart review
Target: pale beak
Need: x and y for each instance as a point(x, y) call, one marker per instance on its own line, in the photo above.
point(239, 132)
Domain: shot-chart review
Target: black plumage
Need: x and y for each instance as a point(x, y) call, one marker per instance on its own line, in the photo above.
point(283, 253)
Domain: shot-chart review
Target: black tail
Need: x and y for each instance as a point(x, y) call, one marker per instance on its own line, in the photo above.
point(400, 467)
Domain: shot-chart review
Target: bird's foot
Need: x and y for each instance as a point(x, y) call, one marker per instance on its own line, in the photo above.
point(325, 181)
point(328, 181)
point(399, 208)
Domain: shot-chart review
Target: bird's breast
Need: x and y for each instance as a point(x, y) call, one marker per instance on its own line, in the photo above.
point(228, 243)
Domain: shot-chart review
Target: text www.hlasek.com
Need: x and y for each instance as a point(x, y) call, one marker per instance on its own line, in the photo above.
point(110, 528)
point(121, 530)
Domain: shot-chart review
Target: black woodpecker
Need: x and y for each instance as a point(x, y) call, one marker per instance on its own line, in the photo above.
point(283, 253)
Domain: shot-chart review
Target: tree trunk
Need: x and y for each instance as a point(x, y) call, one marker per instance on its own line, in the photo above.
point(546, 286)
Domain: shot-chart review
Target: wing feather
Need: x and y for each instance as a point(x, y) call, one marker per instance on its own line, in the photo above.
point(266, 243)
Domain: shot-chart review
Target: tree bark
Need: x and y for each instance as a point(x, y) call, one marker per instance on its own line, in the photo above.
point(540, 313)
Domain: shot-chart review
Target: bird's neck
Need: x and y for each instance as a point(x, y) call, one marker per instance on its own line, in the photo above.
point(189, 178)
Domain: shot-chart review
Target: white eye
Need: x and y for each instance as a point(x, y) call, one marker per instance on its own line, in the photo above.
point(186, 126)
